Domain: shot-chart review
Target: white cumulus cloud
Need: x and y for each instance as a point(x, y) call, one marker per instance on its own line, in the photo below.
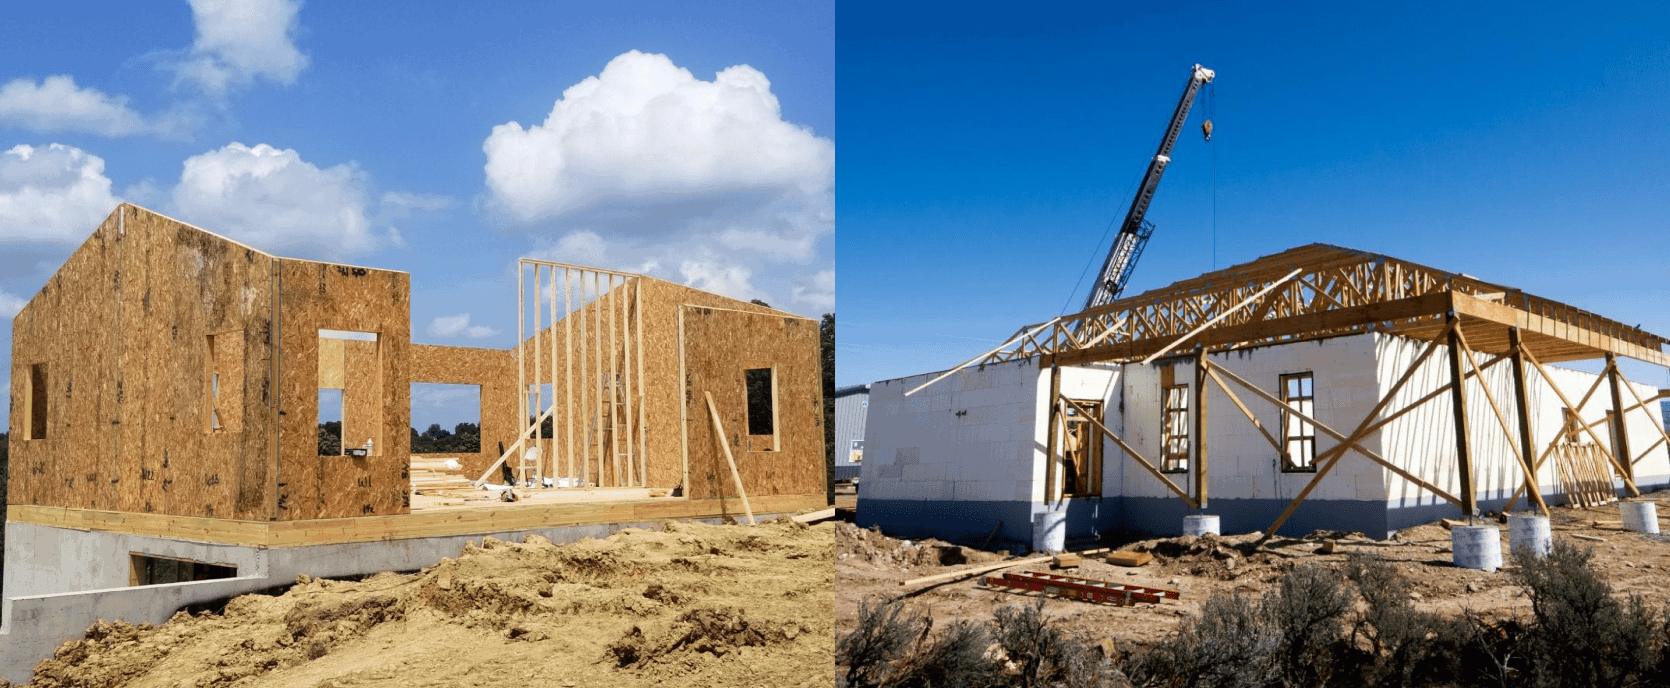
point(239, 40)
point(52, 194)
point(734, 281)
point(581, 247)
point(276, 201)
point(11, 305)
point(646, 139)
point(458, 325)
point(818, 293)
point(57, 104)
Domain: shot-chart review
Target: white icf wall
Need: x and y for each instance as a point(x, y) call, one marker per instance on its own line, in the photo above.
point(1242, 463)
point(1423, 441)
point(974, 436)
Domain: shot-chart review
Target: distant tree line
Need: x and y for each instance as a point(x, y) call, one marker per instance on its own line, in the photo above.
point(465, 438)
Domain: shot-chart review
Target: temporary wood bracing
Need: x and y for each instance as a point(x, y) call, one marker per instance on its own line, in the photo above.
point(1321, 291)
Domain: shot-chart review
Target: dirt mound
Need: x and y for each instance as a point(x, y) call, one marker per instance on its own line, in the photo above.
point(873, 547)
point(712, 605)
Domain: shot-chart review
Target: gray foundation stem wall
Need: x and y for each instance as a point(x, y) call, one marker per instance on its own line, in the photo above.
point(59, 581)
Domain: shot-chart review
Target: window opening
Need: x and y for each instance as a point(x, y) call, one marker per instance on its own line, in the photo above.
point(438, 407)
point(223, 383)
point(1298, 393)
point(1174, 430)
point(330, 421)
point(37, 401)
point(1082, 452)
point(762, 408)
point(148, 570)
point(349, 424)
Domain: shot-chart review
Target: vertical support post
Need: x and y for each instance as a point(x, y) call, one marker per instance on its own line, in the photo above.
point(538, 382)
point(614, 387)
point(683, 412)
point(1051, 492)
point(1522, 402)
point(568, 362)
point(643, 433)
point(1458, 399)
point(1200, 426)
point(597, 364)
point(1620, 430)
point(548, 459)
point(633, 476)
point(585, 382)
point(521, 334)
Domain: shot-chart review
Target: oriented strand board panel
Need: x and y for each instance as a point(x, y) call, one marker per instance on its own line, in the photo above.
point(494, 370)
point(317, 296)
point(719, 345)
point(124, 329)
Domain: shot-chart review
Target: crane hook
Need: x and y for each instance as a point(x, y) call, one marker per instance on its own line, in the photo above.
point(1206, 128)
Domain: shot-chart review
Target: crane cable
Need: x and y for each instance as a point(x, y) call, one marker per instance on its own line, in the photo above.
point(1211, 116)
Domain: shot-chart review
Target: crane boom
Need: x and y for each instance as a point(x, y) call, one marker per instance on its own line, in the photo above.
point(1134, 233)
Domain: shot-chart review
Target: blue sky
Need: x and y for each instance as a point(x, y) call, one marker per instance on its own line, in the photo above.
point(987, 150)
point(440, 139)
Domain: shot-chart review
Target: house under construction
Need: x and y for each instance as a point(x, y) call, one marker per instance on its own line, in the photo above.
point(1318, 388)
point(167, 390)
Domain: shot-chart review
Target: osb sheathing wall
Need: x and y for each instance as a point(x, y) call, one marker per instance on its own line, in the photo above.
point(719, 345)
point(662, 390)
point(123, 328)
point(317, 296)
point(494, 370)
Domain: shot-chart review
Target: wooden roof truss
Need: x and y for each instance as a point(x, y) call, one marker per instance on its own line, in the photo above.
point(1320, 291)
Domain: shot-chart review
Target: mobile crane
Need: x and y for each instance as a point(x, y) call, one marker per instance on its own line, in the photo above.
point(1134, 233)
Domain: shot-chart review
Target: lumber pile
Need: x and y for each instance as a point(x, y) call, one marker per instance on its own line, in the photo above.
point(430, 476)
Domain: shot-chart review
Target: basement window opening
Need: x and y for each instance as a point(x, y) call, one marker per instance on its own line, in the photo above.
point(1298, 393)
point(149, 570)
point(762, 408)
point(37, 394)
point(1082, 452)
point(1174, 430)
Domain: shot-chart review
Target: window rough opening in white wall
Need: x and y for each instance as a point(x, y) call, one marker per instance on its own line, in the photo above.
point(1298, 392)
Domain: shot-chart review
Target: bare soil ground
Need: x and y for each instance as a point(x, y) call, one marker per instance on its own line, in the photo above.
point(871, 565)
point(690, 605)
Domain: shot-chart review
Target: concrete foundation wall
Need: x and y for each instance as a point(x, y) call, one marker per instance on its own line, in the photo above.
point(52, 610)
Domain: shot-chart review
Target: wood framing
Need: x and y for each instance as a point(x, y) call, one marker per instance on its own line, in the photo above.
point(1337, 291)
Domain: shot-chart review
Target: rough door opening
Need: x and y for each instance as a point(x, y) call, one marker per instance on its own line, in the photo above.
point(149, 570)
point(762, 409)
point(1082, 452)
point(438, 407)
point(37, 401)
